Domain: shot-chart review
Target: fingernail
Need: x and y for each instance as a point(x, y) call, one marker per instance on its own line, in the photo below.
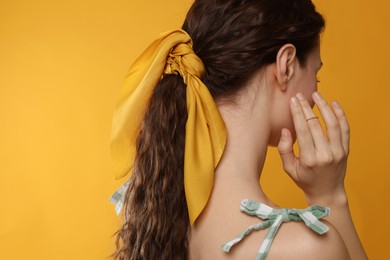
point(316, 95)
point(300, 97)
point(335, 105)
point(284, 133)
point(294, 101)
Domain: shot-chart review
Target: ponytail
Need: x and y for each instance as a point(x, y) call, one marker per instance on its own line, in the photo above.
point(171, 165)
point(156, 216)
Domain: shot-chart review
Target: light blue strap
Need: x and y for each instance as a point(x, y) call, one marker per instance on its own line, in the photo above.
point(311, 217)
point(274, 218)
point(269, 237)
point(263, 225)
point(118, 197)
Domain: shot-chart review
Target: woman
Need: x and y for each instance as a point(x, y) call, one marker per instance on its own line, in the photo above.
point(197, 112)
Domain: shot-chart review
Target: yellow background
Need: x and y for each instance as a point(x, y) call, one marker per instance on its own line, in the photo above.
point(61, 67)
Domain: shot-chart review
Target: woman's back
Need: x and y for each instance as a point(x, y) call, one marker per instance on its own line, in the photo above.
point(222, 221)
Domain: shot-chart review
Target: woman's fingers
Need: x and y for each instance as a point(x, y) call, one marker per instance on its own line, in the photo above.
point(314, 147)
point(344, 126)
point(320, 168)
point(302, 130)
point(286, 151)
point(331, 122)
point(319, 138)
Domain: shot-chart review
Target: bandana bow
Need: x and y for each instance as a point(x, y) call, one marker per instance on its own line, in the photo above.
point(205, 137)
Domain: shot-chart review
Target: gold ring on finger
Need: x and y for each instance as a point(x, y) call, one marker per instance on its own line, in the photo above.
point(314, 117)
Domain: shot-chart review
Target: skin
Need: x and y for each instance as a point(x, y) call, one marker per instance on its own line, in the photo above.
point(272, 111)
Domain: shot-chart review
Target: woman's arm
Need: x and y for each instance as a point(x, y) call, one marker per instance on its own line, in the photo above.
point(321, 166)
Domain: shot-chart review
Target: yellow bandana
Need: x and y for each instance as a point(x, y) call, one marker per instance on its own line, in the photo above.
point(205, 137)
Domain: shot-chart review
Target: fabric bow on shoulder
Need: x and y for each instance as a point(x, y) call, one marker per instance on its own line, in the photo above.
point(274, 218)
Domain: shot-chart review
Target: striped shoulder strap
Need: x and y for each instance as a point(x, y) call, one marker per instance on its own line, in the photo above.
point(273, 218)
point(118, 197)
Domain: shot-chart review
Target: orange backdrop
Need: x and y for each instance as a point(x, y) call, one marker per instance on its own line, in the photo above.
point(61, 66)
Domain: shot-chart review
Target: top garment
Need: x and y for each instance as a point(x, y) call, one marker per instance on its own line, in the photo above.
point(272, 219)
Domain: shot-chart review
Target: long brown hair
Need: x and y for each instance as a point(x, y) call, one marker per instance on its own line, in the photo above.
point(234, 39)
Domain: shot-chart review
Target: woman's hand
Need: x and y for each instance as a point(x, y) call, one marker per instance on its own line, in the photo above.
point(321, 166)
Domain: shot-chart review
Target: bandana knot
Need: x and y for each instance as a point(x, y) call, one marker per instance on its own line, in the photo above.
point(182, 60)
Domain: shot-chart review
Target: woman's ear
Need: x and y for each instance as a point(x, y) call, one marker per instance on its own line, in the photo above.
point(284, 68)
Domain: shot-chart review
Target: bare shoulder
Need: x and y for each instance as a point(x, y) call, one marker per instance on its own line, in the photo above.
point(295, 240)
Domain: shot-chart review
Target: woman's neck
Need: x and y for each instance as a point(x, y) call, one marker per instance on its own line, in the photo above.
point(239, 171)
point(237, 175)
